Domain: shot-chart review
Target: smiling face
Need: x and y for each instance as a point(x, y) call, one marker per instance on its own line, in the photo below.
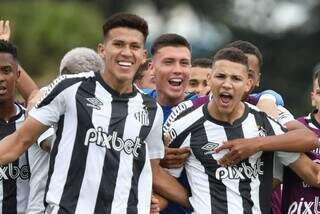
point(8, 76)
point(123, 52)
point(171, 66)
point(229, 82)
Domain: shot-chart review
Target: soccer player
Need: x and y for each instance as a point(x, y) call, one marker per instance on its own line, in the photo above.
point(245, 187)
point(171, 63)
point(23, 178)
point(297, 196)
point(199, 76)
point(79, 60)
point(107, 130)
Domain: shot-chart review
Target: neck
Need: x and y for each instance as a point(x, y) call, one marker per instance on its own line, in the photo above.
point(8, 110)
point(165, 101)
point(228, 117)
point(122, 87)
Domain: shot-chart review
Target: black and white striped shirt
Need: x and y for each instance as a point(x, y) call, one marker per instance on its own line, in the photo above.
point(242, 188)
point(22, 182)
point(100, 159)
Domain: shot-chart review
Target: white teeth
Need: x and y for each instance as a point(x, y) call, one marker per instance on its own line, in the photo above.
point(127, 64)
point(176, 80)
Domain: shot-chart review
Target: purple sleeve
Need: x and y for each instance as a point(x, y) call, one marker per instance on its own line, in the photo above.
point(199, 101)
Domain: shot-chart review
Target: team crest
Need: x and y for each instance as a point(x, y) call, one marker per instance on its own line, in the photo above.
point(261, 131)
point(142, 116)
point(209, 148)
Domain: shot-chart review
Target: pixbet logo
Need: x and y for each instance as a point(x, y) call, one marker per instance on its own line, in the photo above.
point(241, 172)
point(13, 172)
point(112, 141)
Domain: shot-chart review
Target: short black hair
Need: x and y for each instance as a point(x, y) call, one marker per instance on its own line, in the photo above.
point(231, 54)
point(127, 20)
point(7, 47)
point(247, 48)
point(202, 63)
point(169, 39)
point(142, 68)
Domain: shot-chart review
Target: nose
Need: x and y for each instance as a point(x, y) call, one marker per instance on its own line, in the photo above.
point(227, 83)
point(126, 51)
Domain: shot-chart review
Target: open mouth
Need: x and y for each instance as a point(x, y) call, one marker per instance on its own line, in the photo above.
point(225, 98)
point(3, 90)
point(176, 82)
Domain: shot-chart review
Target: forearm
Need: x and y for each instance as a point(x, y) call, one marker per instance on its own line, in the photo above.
point(168, 187)
point(25, 84)
point(10, 148)
point(300, 140)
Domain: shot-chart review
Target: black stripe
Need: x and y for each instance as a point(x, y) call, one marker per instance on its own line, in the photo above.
point(265, 187)
point(244, 184)
point(57, 86)
point(9, 201)
point(119, 112)
point(138, 163)
point(69, 198)
point(218, 193)
point(53, 154)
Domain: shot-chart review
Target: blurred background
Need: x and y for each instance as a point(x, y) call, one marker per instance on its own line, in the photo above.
point(286, 31)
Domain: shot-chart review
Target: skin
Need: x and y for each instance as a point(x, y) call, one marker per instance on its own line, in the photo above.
point(9, 75)
point(25, 85)
point(171, 63)
point(198, 82)
point(122, 46)
point(226, 79)
point(147, 80)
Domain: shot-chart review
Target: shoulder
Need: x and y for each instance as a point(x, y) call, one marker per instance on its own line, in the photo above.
point(62, 83)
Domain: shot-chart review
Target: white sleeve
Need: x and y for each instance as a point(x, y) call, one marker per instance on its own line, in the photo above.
point(52, 105)
point(154, 139)
point(50, 132)
point(39, 165)
point(284, 116)
point(287, 158)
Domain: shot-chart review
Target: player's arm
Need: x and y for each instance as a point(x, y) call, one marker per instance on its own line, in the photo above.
point(307, 170)
point(167, 186)
point(25, 84)
point(12, 146)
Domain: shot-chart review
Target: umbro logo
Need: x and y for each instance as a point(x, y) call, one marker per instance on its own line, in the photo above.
point(142, 116)
point(94, 103)
point(209, 148)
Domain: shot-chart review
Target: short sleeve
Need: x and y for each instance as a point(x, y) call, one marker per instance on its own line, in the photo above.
point(287, 158)
point(154, 139)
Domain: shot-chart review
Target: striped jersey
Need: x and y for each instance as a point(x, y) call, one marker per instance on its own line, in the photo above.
point(99, 162)
point(242, 188)
point(22, 182)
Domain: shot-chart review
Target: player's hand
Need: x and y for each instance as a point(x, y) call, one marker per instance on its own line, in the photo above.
point(5, 30)
point(239, 149)
point(175, 157)
point(155, 205)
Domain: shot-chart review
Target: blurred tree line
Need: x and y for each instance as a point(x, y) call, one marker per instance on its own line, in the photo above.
point(45, 30)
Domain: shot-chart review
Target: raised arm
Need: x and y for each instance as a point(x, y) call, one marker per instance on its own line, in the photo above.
point(25, 84)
